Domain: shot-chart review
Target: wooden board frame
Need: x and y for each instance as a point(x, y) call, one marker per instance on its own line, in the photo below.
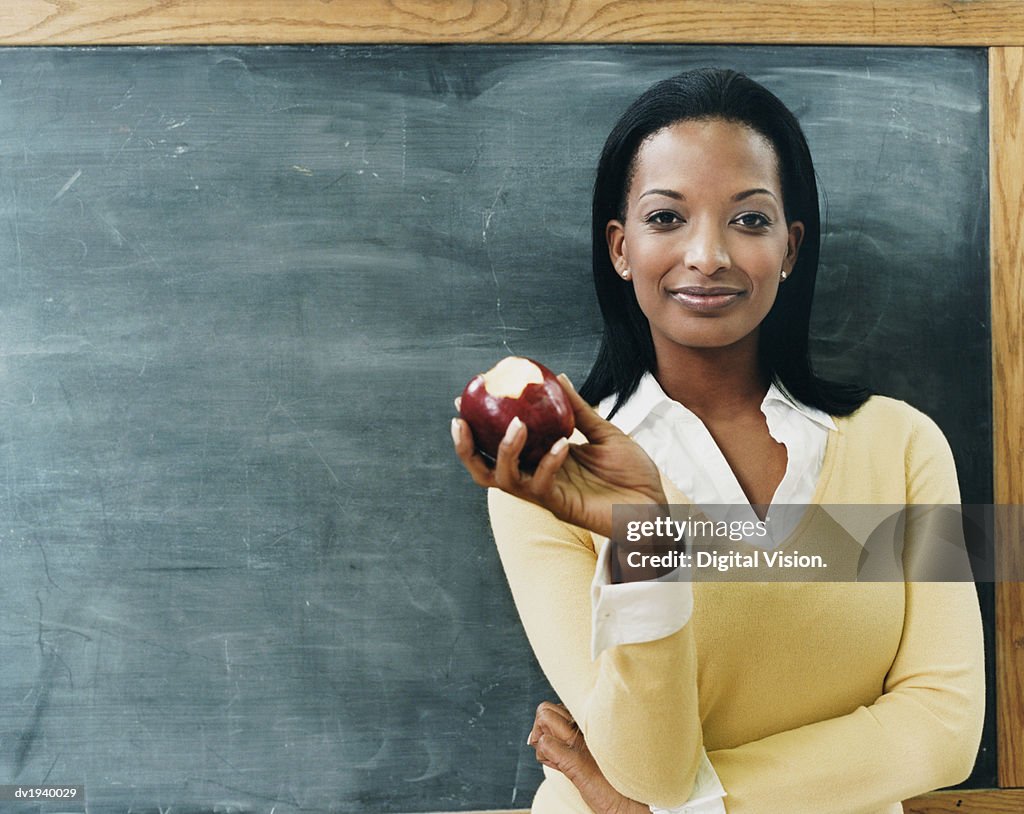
point(994, 24)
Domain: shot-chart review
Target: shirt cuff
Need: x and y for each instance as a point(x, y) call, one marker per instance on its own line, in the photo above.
point(635, 612)
point(707, 793)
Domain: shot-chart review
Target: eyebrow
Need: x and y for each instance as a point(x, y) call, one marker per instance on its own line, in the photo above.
point(668, 193)
point(739, 196)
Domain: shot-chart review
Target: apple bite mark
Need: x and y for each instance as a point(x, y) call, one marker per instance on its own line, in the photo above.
point(520, 388)
point(509, 377)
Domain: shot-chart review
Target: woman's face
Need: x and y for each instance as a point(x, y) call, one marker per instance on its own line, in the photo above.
point(705, 239)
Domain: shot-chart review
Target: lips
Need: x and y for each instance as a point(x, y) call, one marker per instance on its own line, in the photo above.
point(704, 299)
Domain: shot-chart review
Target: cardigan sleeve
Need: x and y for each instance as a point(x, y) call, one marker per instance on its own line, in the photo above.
point(628, 698)
point(923, 731)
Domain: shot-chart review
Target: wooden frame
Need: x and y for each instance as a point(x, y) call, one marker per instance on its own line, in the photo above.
point(995, 24)
point(804, 22)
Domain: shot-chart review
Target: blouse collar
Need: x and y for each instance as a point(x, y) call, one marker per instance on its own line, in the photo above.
point(650, 399)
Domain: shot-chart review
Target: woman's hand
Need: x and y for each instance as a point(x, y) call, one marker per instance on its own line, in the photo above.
point(559, 745)
point(578, 483)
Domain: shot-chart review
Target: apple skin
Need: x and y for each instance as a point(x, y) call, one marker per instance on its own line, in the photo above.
point(543, 407)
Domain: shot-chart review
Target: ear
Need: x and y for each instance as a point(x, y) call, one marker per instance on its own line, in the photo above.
point(793, 241)
point(615, 234)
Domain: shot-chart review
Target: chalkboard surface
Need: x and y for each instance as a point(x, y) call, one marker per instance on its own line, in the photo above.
point(239, 287)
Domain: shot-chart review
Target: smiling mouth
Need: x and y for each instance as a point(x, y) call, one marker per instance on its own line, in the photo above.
point(696, 298)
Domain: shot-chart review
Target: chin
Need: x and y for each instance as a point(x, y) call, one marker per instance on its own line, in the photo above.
point(711, 339)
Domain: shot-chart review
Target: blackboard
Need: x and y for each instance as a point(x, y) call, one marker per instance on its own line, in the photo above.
point(239, 287)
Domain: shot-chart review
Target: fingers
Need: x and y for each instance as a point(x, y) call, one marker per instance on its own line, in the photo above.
point(507, 475)
point(465, 448)
point(547, 707)
point(534, 485)
point(587, 420)
point(555, 753)
point(557, 741)
point(555, 720)
point(543, 477)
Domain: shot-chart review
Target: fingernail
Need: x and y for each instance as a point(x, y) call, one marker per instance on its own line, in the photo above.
point(512, 430)
point(559, 445)
point(567, 380)
point(456, 435)
point(458, 403)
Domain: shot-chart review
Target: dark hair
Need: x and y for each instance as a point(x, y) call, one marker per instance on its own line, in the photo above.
point(627, 351)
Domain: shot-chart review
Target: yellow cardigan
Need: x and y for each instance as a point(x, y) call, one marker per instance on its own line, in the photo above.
point(810, 698)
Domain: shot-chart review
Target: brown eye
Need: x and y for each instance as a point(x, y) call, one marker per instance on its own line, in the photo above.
point(753, 220)
point(663, 217)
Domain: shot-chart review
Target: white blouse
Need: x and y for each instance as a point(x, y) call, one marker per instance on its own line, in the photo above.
point(681, 446)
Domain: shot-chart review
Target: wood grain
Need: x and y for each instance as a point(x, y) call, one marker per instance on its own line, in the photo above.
point(1006, 88)
point(886, 22)
point(967, 802)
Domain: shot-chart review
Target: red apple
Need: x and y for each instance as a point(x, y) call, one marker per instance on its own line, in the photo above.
point(523, 388)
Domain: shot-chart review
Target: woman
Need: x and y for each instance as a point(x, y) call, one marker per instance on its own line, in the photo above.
point(742, 697)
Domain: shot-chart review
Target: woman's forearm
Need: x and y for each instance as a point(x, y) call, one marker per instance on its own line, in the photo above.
point(603, 799)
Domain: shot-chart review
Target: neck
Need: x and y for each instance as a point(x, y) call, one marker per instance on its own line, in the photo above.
point(713, 382)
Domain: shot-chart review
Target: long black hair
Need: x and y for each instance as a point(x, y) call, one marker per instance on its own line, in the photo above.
point(627, 350)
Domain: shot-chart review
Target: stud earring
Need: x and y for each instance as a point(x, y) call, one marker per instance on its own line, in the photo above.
point(783, 275)
point(625, 273)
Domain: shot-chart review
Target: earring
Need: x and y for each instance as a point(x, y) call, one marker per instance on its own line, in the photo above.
point(625, 274)
point(783, 275)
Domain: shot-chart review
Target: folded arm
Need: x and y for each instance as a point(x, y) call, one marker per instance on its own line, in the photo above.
point(632, 695)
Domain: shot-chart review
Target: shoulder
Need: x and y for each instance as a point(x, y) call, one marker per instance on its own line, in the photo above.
point(885, 420)
point(888, 437)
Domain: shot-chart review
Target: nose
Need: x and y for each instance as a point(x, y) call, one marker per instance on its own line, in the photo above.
point(705, 250)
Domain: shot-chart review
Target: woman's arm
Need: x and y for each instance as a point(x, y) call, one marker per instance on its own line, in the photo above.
point(636, 704)
point(559, 745)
